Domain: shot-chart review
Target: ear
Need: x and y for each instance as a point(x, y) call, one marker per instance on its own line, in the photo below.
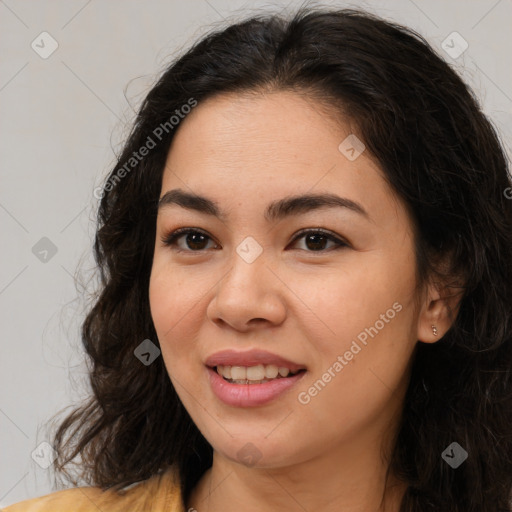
point(438, 310)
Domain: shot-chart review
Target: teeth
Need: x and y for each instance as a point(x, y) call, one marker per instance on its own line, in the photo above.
point(224, 371)
point(254, 374)
point(238, 372)
point(271, 371)
point(283, 372)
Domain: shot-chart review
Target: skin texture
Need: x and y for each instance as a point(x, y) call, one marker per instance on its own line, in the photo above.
point(307, 305)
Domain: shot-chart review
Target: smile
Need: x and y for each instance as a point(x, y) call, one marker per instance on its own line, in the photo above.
point(258, 374)
point(246, 392)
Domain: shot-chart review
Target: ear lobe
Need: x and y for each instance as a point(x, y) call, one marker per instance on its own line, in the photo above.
point(438, 311)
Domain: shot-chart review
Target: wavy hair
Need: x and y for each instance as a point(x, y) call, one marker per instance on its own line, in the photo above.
point(442, 156)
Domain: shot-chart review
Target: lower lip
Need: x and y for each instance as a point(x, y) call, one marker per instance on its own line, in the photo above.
point(250, 395)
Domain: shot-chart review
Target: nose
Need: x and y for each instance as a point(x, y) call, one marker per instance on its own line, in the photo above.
point(249, 296)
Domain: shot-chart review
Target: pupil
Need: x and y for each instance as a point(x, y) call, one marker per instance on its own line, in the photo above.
point(316, 243)
point(191, 244)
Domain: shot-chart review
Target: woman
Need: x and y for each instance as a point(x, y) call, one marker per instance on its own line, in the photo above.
point(306, 261)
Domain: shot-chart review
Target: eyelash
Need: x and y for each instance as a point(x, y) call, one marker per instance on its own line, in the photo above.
point(171, 238)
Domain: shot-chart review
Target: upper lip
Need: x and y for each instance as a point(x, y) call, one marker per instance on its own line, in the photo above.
point(250, 358)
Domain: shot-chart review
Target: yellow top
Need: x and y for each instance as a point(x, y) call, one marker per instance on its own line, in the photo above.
point(160, 493)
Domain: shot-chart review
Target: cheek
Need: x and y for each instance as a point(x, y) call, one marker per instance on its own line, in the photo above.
point(162, 301)
point(176, 309)
point(169, 304)
point(171, 296)
point(367, 315)
point(345, 302)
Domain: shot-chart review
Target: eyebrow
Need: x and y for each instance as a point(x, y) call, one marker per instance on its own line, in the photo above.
point(277, 210)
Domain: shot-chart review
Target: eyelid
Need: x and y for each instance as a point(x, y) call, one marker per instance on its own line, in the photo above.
point(169, 239)
point(328, 234)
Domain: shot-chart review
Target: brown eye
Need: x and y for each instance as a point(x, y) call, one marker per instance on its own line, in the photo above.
point(316, 240)
point(194, 240)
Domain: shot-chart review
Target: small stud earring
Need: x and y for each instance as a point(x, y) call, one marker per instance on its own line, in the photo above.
point(434, 330)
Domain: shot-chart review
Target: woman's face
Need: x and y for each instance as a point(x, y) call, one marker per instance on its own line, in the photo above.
point(338, 305)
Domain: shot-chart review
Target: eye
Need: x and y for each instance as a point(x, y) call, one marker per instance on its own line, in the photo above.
point(316, 239)
point(195, 240)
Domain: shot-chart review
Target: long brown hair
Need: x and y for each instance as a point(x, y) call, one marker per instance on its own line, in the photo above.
point(443, 158)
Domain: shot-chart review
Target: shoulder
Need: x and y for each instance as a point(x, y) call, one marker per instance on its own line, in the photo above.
point(78, 499)
point(157, 494)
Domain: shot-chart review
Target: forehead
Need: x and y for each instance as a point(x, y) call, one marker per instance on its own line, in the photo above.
point(259, 127)
point(266, 134)
point(249, 148)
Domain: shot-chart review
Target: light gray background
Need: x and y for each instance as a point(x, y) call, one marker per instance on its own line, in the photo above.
point(62, 117)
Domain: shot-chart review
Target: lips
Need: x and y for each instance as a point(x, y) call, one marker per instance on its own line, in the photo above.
point(251, 358)
point(247, 393)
